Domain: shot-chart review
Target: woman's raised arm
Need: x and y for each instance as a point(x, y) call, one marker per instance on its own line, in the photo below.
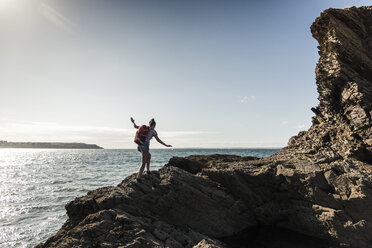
point(134, 124)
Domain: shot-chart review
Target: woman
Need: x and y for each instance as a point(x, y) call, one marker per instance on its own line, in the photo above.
point(145, 147)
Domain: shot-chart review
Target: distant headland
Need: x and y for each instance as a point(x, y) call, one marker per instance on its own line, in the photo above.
point(50, 145)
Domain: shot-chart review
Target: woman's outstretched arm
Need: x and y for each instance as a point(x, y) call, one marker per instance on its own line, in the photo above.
point(134, 124)
point(161, 142)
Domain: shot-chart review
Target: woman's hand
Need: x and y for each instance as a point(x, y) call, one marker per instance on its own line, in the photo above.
point(134, 124)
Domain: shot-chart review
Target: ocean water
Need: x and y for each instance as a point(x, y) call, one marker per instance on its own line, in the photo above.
point(36, 184)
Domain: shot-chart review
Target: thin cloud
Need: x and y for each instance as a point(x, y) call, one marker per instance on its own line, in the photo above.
point(246, 99)
point(45, 131)
point(301, 127)
point(171, 134)
point(48, 127)
point(56, 18)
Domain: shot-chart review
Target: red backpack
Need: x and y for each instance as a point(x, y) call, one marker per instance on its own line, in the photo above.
point(141, 134)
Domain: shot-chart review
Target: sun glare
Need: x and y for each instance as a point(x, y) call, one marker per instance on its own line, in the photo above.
point(5, 3)
point(7, 6)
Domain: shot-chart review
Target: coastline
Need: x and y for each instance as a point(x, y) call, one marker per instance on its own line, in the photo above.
point(47, 145)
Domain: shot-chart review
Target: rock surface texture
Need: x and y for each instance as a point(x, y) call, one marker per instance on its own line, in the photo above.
point(316, 192)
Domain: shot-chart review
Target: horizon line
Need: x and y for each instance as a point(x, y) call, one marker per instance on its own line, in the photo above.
point(178, 148)
point(255, 147)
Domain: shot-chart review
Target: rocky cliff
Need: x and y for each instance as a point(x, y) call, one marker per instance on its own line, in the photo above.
point(316, 192)
point(342, 124)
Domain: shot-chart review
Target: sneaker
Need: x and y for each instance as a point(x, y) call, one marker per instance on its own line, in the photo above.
point(138, 180)
point(149, 173)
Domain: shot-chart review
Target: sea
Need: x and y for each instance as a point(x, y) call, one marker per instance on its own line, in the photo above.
point(36, 184)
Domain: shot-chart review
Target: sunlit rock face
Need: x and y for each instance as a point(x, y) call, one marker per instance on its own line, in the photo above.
point(342, 124)
point(317, 192)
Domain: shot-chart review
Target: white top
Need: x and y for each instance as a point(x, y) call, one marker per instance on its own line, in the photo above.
point(151, 134)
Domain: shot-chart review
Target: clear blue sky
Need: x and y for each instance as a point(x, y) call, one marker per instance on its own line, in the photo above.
point(212, 73)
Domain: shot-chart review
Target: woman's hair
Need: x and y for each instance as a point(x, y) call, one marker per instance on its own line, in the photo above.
point(152, 122)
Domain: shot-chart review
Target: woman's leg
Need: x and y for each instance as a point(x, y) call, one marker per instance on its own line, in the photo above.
point(148, 161)
point(144, 160)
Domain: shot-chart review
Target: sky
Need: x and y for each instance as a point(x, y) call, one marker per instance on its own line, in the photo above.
point(213, 74)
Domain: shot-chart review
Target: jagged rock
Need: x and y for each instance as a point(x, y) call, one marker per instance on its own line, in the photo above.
point(342, 124)
point(316, 192)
